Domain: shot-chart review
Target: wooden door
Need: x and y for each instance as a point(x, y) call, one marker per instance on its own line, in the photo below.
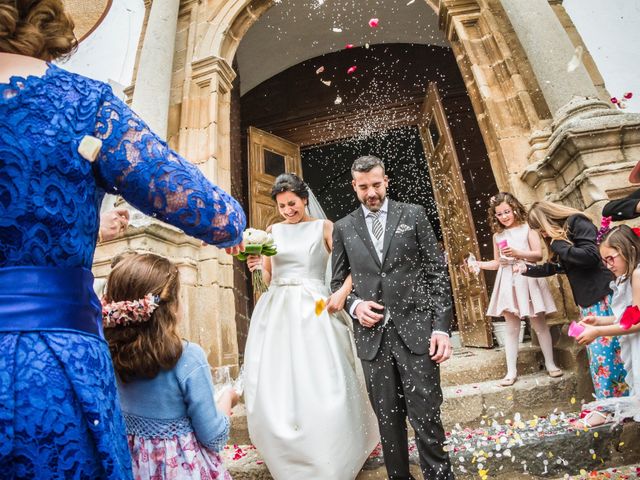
point(269, 156)
point(469, 291)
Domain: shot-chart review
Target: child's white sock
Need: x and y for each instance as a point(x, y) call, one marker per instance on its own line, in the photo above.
point(544, 338)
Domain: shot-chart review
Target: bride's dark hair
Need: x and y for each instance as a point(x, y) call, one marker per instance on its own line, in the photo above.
point(290, 182)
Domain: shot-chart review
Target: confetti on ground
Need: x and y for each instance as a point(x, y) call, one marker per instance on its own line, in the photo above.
point(319, 70)
point(373, 23)
point(352, 70)
point(336, 29)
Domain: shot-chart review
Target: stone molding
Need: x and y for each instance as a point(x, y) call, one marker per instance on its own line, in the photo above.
point(206, 69)
point(587, 153)
point(582, 126)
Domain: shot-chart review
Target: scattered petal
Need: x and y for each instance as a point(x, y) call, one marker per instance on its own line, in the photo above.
point(348, 45)
point(352, 69)
point(320, 306)
point(373, 23)
point(336, 30)
point(326, 82)
point(614, 100)
point(319, 70)
point(628, 95)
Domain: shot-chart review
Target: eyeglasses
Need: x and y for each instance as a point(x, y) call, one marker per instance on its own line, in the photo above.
point(610, 260)
point(503, 214)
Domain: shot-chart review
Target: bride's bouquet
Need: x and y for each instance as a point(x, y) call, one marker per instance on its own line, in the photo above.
point(257, 242)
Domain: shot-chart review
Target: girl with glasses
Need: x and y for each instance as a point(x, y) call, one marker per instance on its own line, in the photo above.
point(621, 251)
point(515, 297)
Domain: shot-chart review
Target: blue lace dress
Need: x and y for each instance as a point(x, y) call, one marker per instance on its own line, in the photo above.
point(59, 411)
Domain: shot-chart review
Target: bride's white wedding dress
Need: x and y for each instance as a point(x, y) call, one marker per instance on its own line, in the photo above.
point(307, 408)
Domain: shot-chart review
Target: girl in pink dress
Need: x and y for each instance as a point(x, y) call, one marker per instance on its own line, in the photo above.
point(514, 296)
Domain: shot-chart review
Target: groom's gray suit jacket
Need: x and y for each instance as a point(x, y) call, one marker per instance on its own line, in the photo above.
point(411, 281)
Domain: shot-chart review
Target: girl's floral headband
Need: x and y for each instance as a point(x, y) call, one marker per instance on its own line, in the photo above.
point(126, 312)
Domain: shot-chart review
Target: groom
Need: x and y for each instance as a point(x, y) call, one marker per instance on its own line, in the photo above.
point(401, 308)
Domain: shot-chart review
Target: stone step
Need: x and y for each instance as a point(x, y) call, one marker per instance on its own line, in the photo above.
point(614, 473)
point(542, 448)
point(469, 365)
point(537, 448)
point(480, 403)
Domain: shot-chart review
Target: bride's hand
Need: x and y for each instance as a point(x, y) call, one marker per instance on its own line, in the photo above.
point(336, 301)
point(254, 262)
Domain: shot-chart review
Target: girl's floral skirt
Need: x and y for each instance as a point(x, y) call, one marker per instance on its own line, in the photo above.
point(177, 458)
point(605, 362)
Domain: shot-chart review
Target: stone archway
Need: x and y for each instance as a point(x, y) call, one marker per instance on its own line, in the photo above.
point(498, 80)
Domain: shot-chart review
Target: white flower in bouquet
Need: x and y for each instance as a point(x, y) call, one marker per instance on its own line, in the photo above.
point(253, 236)
point(257, 242)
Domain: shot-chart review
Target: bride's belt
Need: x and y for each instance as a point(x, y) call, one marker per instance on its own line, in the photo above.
point(48, 298)
point(305, 282)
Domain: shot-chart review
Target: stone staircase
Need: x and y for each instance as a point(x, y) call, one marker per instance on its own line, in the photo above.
point(494, 432)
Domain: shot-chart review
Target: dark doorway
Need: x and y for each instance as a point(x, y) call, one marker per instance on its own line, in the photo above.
point(375, 112)
point(327, 170)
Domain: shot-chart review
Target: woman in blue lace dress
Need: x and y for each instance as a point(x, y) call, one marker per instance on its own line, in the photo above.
point(59, 411)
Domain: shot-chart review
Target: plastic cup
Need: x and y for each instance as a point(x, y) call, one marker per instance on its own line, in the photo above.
point(575, 329)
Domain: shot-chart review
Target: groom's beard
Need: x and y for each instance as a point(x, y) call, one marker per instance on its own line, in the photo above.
point(373, 203)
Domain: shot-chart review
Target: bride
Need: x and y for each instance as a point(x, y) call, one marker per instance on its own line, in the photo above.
point(307, 408)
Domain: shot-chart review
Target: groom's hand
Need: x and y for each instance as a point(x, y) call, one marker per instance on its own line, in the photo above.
point(366, 314)
point(440, 348)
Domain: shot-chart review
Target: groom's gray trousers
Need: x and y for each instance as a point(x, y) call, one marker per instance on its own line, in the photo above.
point(401, 383)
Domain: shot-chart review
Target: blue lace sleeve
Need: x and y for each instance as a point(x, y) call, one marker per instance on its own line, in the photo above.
point(136, 164)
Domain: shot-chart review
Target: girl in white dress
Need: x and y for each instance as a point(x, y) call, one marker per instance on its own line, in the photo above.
point(307, 409)
point(515, 296)
point(620, 251)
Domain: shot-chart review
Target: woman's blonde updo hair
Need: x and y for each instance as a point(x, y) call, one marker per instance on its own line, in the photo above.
point(36, 28)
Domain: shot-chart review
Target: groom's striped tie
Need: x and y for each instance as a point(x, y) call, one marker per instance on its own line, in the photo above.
point(376, 226)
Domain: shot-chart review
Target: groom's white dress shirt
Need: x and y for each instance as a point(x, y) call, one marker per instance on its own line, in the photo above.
point(379, 244)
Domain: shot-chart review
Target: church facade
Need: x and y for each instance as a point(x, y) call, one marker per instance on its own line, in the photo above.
point(508, 108)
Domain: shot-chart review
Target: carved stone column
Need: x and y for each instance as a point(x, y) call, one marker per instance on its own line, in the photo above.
point(204, 138)
point(151, 98)
point(499, 92)
point(549, 51)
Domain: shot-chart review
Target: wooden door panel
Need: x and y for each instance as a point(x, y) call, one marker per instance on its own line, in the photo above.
point(469, 291)
point(269, 156)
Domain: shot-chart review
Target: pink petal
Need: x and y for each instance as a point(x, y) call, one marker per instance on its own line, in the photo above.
point(349, 45)
point(320, 70)
point(628, 95)
point(373, 23)
point(352, 69)
point(614, 100)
